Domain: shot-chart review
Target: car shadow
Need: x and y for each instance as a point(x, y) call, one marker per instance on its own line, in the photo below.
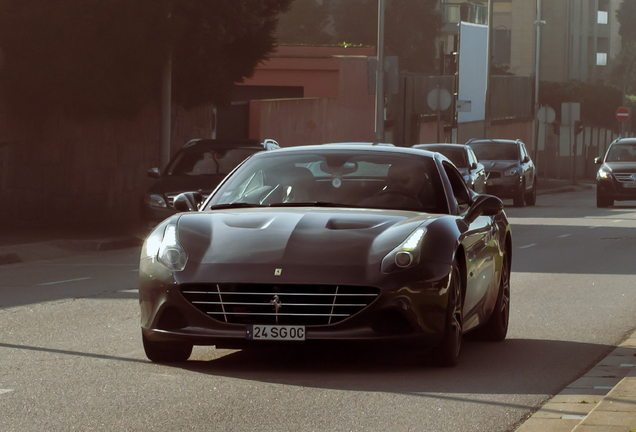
point(515, 366)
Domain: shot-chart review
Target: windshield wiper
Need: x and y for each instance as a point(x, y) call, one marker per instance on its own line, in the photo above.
point(233, 205)
point(311, 204)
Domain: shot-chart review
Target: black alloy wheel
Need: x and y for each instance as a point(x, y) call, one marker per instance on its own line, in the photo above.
point(520, 197)
point(602, 200)
point(531, 197)
point(166, 352)
point(447, 353)
point(496, 328)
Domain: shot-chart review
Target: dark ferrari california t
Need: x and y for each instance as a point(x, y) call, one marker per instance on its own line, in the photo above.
point(340, 242)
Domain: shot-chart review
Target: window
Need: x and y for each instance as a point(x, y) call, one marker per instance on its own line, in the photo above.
point(602, 17)
point(601, 59)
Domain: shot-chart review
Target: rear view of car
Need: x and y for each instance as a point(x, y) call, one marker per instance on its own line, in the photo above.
point(199, 166)
point(463, 157)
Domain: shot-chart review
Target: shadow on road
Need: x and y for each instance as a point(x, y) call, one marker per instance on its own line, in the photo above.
point(515, 366)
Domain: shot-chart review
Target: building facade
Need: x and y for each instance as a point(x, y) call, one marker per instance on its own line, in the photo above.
point(579, 39)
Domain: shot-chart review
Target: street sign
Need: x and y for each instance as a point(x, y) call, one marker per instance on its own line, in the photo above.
point(622, 114)
point(439, 99)
point(546, 114)
point(463, 106)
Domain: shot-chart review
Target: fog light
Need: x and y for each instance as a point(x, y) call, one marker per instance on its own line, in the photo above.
point(403, 259)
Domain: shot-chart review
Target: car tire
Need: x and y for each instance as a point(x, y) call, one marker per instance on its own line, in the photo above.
point(496, 328)
point(602, 200)
point(166, 352)
point(531, 197)
point(447, 353)
point(519, 199)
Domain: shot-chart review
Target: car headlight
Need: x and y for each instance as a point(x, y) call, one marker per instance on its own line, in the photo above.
point(165, 249)
point(603, 174)
point(511, 172)
point(154, 200)
point(406, 255)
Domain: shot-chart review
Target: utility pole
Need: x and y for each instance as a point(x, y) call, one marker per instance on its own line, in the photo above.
point(379, 82)
point(489, 50)
point(537, 68)
point(166, 112)
point(624, 99)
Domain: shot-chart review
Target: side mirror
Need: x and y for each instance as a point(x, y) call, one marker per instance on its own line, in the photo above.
point(154, 173)
point(187, 201)
point(473, 166)
point(598, 160)
point(484, 205)
point(526, 159)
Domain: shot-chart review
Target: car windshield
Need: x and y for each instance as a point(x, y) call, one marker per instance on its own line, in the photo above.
point(335, 178)
point(456, 155)
point(196, 160)
point(495, 151)
point(622, 153)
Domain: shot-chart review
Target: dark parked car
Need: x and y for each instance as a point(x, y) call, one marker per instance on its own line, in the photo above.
point(199, 166)
point(465, 160)
point(616, 178)
point(510, 172)
point(349, 243)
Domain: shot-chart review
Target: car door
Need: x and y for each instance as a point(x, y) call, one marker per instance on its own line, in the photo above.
point(526, 166)
point(478, 172)
point(479, 248)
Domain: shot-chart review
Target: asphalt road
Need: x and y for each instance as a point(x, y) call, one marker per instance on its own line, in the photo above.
point(71, 355)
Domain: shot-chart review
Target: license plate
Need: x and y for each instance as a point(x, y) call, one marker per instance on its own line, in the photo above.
point(491, 182)
point(275, 332)
point(629, 185)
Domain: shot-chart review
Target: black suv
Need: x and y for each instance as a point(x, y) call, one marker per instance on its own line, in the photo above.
point(510, 173)
point(616, 178)
point(199, 166)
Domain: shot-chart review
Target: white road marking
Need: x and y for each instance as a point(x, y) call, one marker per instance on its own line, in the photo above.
point(603, 387)
point(129, 291)
point(565, 235)
point(572, 417)
point(627, 365)
point(527, 246)
point(592, 227)
point(64, 281)
point(3, 391)
point(135, 270)
point(619, 220)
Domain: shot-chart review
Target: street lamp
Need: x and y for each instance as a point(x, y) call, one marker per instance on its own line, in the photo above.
point(624, 99)
point(537, 63)
point(379, 82)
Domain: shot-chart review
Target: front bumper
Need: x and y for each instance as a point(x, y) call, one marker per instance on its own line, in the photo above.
point(612, 188)
point(410, 309)
point(503, 187)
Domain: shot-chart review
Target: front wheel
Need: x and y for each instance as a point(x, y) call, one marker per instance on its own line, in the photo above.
point(447, 353)
point(531, 197)
point(519, 198)
point(166, 352)
point(496, 328)
point(602, 200)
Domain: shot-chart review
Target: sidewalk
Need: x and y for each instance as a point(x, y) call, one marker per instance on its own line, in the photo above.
point(603, 400)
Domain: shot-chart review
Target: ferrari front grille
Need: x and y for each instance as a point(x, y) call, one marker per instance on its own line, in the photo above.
point(279, 304)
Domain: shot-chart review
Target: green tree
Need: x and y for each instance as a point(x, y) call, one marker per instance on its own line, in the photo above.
point(411, 27)
point(626, 15)
point(104, 57)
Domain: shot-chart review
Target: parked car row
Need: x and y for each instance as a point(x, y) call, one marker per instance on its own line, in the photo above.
point(494, 166)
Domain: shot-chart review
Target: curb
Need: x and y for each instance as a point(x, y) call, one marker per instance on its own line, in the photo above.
point(602, 400)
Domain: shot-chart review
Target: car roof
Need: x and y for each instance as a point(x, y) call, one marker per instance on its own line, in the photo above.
point(224, 144)
point(447, 145)
point(625, 141)
point(359, 147)
point(493, 140)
